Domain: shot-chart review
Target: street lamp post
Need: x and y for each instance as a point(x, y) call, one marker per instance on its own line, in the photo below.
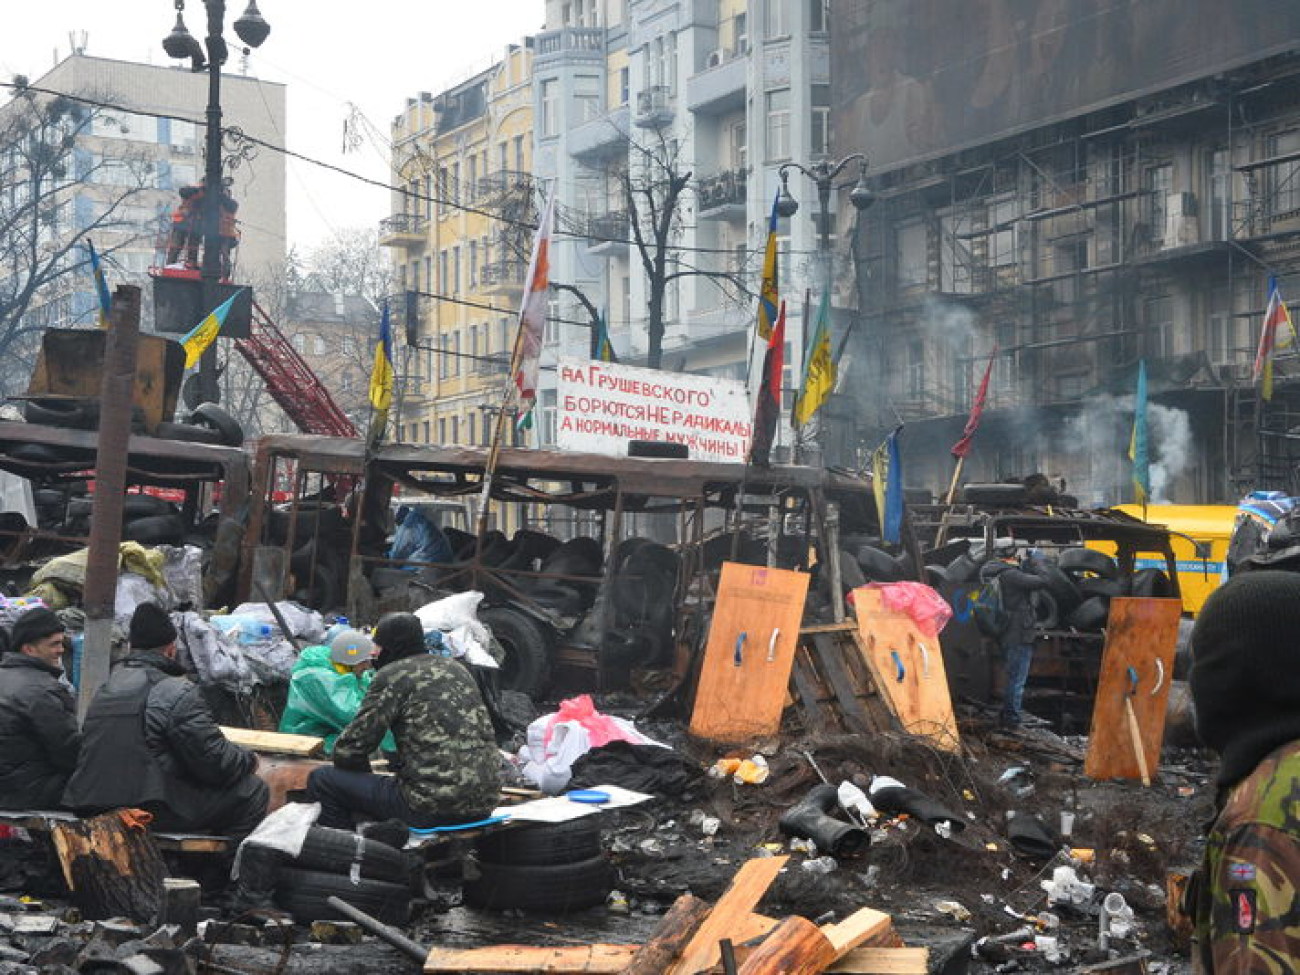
point(180, 43)
point(823, 175)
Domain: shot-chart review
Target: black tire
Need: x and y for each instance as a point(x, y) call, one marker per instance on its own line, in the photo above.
point(1047, 614)
point(936, 577)
point(553, 889)
point(580, 556)
point(334, 851)
point(48, 497)
point(304, 894)
point(851, 574)
point(1061, 586)
point(877, 564)
point(1090, 615)
point(44, 453)
point(155, 530)
point(1093, 586)
point(1076, 560)
point(528, 650)
point(212, 415)
point(994, 494)
point(963, 569)
point(143, 506)
point(187, 432)
point(541, 845)
point(1152, 583)
point(657, 448)
point(78, 414)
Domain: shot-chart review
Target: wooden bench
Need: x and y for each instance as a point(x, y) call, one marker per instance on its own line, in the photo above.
point(44, 820)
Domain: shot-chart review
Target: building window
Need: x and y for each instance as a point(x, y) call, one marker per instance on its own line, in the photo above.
point(455, 269)
point(455, 430)
point(586, 98)
point(738, 145)
point(1002, 236)
point(473, 264)
point(910, 239)
point(472, 420)
point(777, 20)
point(821, 120)
point(519, 155)
point(778, 124)
point(442, 430)
point(915, 370)
point(444, 361)
point(624, 84)
point(1160, 180)
point(320, 346)
point(818, 16)
point(1159, 316)
point(1284, 177)
point(550, 121)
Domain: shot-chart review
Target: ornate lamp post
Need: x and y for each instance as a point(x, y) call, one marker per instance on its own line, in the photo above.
point(211, 55)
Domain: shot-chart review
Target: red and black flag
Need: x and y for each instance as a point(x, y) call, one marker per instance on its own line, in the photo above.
point(767, 414)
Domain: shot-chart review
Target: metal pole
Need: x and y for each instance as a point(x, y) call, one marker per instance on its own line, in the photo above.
point(115, 394)
point(210, 269)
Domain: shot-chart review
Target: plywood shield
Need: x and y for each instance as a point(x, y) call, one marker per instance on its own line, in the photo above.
point(752, 640)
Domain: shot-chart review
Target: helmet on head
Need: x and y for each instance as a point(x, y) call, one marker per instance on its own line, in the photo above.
point(351, 647)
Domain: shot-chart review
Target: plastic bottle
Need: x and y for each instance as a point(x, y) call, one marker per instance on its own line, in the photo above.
point(337, 627)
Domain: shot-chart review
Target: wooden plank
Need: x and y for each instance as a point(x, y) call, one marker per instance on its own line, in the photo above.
point(857, 929)
point(740, 695)
point(908, 669)
point(829, 653)
point(276, 742)
point(845, 627)
point(1141, 634)
point(804, 678)
point(736, 903)
point(883, 961)
point(597, 959)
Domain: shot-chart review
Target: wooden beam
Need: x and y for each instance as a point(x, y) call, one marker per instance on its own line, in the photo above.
point(857, 929)
point(671, 935)
point(275, 742)
point(795, 947)
point(585, 959)
point(883, 961)
point(736, 904)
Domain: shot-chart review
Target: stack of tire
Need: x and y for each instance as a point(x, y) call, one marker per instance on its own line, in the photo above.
point(336, 863)
point(547, 868)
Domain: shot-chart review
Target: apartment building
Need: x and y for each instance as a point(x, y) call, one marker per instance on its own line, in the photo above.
point(459, 234)
point(1080, 190)
point(632, 93)
point(143, 142)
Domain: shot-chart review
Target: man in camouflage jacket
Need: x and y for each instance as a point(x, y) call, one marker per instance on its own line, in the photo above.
point(1245, 685)
point(447, 768)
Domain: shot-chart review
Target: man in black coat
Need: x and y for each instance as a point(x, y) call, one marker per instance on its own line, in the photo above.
point(39, 738)
point(151, 743)
point(1017, 640)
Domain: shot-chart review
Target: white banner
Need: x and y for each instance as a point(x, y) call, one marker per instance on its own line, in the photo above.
point(603, 405)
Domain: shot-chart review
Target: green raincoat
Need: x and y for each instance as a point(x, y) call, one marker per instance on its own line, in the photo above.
point(321, 700)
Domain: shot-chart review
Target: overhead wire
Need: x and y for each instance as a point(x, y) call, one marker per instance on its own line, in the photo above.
point(748, 252)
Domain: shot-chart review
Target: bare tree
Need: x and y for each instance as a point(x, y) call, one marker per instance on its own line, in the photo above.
point(53, 197)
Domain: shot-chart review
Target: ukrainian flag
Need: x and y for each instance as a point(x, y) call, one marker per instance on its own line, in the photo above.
point(767, 292)
point(381, 376)
point(101, 286)
point(205, 333)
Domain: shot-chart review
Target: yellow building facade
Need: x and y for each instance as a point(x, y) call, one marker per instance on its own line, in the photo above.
point(459, 234)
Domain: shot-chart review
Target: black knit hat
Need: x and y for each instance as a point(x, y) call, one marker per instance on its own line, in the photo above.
point(398, 635)
point(35, 624)
point(1245, 678)
point(151, 627)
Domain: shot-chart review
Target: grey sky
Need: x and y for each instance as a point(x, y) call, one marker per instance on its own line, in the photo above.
point(373, 53)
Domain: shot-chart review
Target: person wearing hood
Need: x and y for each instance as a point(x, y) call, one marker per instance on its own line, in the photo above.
point(39, 738)
point(446, 770)
point(1245, 685)
point(151, 743)
point(1017, 640)
point(327, 686)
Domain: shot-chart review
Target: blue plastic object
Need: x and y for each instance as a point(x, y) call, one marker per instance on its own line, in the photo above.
point(594, 797)
point(490, 821)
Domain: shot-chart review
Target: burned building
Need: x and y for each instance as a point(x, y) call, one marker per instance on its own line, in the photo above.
point(1070, 188)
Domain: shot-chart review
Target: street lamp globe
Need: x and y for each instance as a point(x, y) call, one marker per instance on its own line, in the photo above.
point(180, 43)
point(861, 196)
point(786, 205)
point(251, 28)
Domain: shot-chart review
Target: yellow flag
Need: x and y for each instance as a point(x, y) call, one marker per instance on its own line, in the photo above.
point(819, 367)
point(880, 476)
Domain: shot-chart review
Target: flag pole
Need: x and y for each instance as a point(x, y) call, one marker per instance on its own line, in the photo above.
point(956, 475)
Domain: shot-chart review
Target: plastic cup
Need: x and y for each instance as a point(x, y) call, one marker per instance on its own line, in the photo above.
point(1067, 823)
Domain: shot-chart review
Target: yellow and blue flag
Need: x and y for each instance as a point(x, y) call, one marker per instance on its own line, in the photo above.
point(205, 332)
point(1138, 451)
point(767, 292)
point(1271, 338)
point(887, 486)
point(101, 286)
point(381, 375)
point(604, 347)
point(818, 366)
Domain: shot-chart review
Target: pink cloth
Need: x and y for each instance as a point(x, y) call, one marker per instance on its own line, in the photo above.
point(928, 610)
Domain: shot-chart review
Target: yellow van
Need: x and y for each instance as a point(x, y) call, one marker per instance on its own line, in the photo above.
point(1200, 534)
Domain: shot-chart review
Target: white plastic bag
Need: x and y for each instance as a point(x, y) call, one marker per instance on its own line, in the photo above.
point(549, 765)
point(200, 648)
point(305, 623)
point(456, 617)
point(284, 830)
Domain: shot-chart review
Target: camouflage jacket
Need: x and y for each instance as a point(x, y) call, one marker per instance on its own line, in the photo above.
point(448, 764)
point(1246, 910)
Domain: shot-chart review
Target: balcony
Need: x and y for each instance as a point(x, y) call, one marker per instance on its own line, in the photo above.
point(654, 107)
point(571, 44)
point(496, 187)
point(502, 277)
point(722, 196)
point(607, 233)
point(402, 230)
point(720, 87)
point(605, 137)
point(492, 364)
